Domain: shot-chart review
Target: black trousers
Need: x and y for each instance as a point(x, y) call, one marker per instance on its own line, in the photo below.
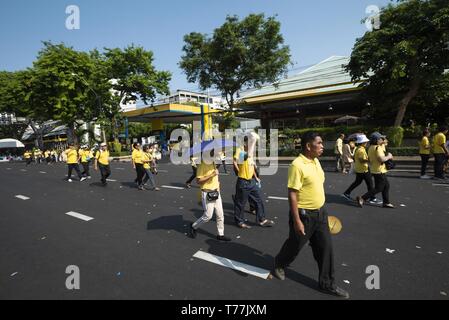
point(359, 179)
point(140, 170)
point(316, 227)
point(85, 169)
point(71, 167)
point(105, 172)
point(244, 190)
point(193, 176)
point(424, 162)
point(440, 160)
point(381, 185)
point(28, 161)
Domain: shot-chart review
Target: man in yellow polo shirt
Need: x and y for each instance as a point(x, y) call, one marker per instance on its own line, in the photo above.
point(28, 157)
point(248, 187)
point(72, 162)
point(102, 162)
point(424, 152)
point(440, 152)
point(308, 218)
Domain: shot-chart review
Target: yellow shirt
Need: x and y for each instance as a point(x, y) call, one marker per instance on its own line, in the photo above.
point(206, 170)
point(27, 155)
point(147, 157)
point(137, 156)
point(246, 171)
point(438, 140)
point(361, 163)
point(307, 177)
point(85, 154)
point(47, 154)
point(103, 157)
point(72, 156)
point(425, 143)
point(374, 153)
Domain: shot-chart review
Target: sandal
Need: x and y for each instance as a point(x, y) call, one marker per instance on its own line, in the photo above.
point(389, 205)
point(267, 223)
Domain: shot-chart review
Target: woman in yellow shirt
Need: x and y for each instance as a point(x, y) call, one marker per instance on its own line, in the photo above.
point(72, 163)
point(147, 164)
point(377, 159)
point(137, 161)
point(360, 167)
point(424, 152)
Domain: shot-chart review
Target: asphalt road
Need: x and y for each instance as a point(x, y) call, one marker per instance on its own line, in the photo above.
point(136, 245)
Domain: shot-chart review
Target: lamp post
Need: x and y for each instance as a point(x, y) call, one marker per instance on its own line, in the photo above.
point(97, 97)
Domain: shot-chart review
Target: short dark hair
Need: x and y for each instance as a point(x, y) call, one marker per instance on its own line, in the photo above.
point(308, 137)
point(135, 144)
point(443, 128)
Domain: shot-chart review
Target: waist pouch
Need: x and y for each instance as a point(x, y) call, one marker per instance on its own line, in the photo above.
point(213, 196)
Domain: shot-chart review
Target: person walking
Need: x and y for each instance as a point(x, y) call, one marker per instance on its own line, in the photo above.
point(137, 163)
point(28, 157)
point(72, 163)
point(348, 156)
point(207, 178)
point(85, 156)
point(440, 152)
point(193, 163)
point(247, 186)
point(338, 150)
point(308, 217)
point(147, 164)
point(424, 152)
point(377, 159)
point(101, 162)
point(361, 167)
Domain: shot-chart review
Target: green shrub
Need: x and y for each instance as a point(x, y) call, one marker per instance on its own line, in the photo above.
point(404, 151)
point(119, 154)
point(395, 136)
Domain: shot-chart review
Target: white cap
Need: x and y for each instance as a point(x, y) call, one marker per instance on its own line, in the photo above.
point(362, 139)
point(103, 144)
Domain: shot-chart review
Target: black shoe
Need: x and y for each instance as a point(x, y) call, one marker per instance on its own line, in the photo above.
point(336, 291)
point(223, 238)
point(279, 273)
point(347, 196)
point(192, 232)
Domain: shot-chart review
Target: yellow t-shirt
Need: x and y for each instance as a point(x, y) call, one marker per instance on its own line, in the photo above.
point(85, 154)
point(137, 156)
point(103, 157)
point(374, 153)
point(205, 169)
point(72, 156)
point(425, 143)
point(27, 155)
point(246, 171)
point(307, 177)
point(47, 154)
point(360, 160)
point(147, 157)
point(438, 140)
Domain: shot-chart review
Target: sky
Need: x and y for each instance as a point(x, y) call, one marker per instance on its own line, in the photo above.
point(313, 29)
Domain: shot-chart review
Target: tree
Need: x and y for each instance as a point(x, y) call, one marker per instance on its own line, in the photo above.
point(239, 54)
point(134, 77)
point(407, 55)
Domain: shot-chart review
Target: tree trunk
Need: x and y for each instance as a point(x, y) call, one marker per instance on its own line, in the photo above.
point(39, 141)
point(71, 136)
point(414, 88)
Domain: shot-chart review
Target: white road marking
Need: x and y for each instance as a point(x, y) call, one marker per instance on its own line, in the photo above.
point(43, 172)
point(111, 180)
point(79, 216)
point(22, 197)
point(242, 267)
point(440, 185)
point(171, 187)
point(278, 198)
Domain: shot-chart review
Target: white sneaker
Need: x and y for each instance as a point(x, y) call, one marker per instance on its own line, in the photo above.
point(82, 179)
point(426, 177)
point(70, 180)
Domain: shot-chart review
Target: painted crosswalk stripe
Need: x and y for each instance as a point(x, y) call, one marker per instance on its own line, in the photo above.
point(111, 180)
point(440, 185)
point(239, 266)
point(278, 198)
point(43, 172)
point(22, 197)
point(79, 216)
point(171, 187)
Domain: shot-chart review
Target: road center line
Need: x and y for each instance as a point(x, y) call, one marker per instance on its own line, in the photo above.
point(440, 185)
point(22, 197)
point(79, 216)
point(278, 198)
point(111, 180)
point(239, 266)
point(171, 187)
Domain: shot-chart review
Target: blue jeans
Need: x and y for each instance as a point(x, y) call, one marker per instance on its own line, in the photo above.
point(247, 189)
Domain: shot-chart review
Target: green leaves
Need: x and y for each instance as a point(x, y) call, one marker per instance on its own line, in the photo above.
point(242, 53)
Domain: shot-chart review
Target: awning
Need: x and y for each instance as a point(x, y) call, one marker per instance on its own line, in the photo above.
point(11, 143)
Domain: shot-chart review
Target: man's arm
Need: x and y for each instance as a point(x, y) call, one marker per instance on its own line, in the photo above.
point(297, 223)
point(236, 167)
point(203, 180)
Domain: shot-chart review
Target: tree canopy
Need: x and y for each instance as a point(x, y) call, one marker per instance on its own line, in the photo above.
point(240, 53)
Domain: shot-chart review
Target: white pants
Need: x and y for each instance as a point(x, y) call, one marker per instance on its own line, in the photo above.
point(209, 207)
